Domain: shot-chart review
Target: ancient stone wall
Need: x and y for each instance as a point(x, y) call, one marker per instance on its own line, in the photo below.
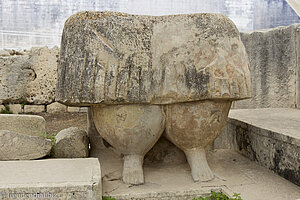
point(28, 78)
point(28, 81)
point(274, 65)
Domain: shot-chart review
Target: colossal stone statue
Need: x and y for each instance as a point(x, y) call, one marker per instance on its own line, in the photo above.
point(143, 74)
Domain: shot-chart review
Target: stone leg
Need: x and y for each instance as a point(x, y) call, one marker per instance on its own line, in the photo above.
point(133, 169)
point(192, 127)
point(132, 130)
point(197, 160)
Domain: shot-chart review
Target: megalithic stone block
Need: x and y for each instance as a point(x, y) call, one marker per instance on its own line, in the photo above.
point(116, 58)
point(166, 66)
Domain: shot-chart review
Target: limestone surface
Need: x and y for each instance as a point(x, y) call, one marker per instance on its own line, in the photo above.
point(132, 130)
point(15, 108)
point(31, 125)
point(30, 77)
point(15, 146)
point(75, 179)
point(4, 53)
point(269, 137)
point(56, 108)
point(34, 108)
point(192, 126)
point(73, 109)
point(114, 58)
point(71, 143)
point(274, 65)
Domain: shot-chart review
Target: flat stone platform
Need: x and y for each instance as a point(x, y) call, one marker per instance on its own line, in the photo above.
point(283, 121)
point(51, 179)
point(234, 174)
point(270, 137)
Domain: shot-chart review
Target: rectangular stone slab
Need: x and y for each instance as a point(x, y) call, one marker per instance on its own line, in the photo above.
point(32, 125)
point(274, 65)
point(117, 58)
point(51, 178)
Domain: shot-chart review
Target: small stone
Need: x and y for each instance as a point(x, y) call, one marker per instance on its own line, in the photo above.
point(83, 109)
point(31, 125)
point(71, 143)
point(56, 108)
point(15, 108)
point(15, 146)
point(73, 109)
point(10, 51)
point(4, 53)
point(34, 108)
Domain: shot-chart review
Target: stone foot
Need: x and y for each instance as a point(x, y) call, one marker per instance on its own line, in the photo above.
point(133, 169)
point(199, 166)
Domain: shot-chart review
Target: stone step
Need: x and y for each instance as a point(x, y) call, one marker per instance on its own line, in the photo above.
point(51, 179)
point(270, 136)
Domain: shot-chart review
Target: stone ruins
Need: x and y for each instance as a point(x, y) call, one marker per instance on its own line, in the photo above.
point(162, 97)
point(143, 74)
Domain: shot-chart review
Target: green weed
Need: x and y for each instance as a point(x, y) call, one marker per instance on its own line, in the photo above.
point(219, 196)
point(23, 104)
point(53, 140)
point(107, 198)
point(6, 110)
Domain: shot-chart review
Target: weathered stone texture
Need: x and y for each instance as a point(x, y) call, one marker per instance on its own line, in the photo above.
point(15, 146)
point(56, 108)
point(34, 108)
point(274, 61)
point(119, 58)
point(4, 53)
point(267, 136)
point(83, 109)
point(15, 108)
point(264, 68)
point(30, 77)
point(297, 39)
point(132, 130)
point(73, 109)
point(75, 179)
point(192, 127)
point(71, 143)
point(31, 125)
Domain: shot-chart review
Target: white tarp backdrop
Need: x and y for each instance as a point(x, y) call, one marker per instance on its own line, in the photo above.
point(28, 23)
